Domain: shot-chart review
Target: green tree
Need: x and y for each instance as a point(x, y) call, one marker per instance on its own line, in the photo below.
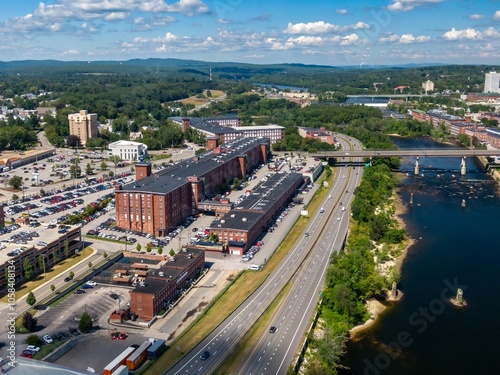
point(29, 322)
point(89, 264)
point(160, 250)
point(41, 263)
point(32, 340)
point(105, 255)
point(16, 182)
point(52, 288)
point(149, 248)
point(30, 299)
point(71, 275)
point(66, 249)
point(89, 170)
point(42, 192)
point(55, 256)
point(27, 269)
point(138, 247)
point(213, 237)
point(115, 159)
point(15, 197)
point(172, 252)
point(85, 324)
point(104, 166)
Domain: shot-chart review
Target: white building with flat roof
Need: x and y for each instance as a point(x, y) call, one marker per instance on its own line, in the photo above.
point(492, 82)
point(272, 131)
point(128, 150)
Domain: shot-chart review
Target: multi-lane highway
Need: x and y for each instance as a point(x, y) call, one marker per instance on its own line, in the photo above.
point(304, 267)
point(448, 152)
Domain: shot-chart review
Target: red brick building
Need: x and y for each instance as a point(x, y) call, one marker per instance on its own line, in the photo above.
point(156, 203)
point(161, 286)
point(320, 134)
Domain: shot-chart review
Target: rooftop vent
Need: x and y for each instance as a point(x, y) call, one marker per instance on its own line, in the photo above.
point(223, 221)
point(244, 219)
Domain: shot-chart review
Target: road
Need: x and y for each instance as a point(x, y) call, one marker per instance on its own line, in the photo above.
point(304, 267)
point(272, 353)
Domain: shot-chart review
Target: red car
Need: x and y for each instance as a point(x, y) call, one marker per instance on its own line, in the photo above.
point(114, 335)
point(122, 336)
point(27, 354)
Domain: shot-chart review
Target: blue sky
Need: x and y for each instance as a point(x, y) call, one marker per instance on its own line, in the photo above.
point(333, 32)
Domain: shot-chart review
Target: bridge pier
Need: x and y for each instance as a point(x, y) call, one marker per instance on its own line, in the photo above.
point(463, 169)
point(417, 168)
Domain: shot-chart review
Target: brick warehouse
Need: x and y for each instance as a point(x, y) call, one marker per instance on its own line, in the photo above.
point(156, 203)
point(162, 285)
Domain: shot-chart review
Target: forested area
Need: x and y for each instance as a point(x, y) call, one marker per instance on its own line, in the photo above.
point(352, 277)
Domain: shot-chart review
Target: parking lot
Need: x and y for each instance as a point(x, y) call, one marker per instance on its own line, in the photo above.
point(97, 301)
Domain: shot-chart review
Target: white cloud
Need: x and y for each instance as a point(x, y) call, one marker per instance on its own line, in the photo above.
point(406, 5)
point(496, 15)
point(321, 27)
point(476, 16)
point(341, 11)
point(189, 7)
point(491, 32)
point(404, 39)
point(71, 52)
point(350, 39)
point(254, 56)
point(224, 21)
point(470, 34)
point(305, 41)
point(115, 16)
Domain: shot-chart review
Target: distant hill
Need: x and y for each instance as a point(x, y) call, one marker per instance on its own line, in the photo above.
point(179, 65)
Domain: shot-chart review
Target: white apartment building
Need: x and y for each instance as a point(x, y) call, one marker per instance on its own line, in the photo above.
point(492, 82)
point(128, 150)
point(83, 125)
point(272, 131)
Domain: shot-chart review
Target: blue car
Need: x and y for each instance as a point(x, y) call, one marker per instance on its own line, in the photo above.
point(86, 286)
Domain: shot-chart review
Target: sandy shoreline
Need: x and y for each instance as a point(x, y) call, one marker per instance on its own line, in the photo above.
point(374, 306)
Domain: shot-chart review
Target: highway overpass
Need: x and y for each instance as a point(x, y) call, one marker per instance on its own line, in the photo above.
point(459, 152)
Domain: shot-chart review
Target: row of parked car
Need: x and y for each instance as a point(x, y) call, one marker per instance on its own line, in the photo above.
point(252, 251)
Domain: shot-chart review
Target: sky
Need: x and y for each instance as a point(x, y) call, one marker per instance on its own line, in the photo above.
point(323, 32)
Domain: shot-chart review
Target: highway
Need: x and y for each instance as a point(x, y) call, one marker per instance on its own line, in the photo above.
point(304, 267)
point(449, 152)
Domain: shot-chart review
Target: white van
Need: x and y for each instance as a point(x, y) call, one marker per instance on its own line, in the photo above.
point(255, 267)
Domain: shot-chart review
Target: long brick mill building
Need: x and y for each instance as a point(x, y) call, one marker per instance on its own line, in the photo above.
point(157, 203)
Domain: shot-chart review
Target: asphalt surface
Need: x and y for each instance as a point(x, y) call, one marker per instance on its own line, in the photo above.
point(274, 352)
point(299, 266)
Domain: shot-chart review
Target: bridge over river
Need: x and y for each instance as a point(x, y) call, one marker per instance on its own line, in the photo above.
point(459, 152)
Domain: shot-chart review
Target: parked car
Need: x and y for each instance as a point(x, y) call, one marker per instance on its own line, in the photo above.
point(114, 335)
point(33, 348)
point(48, 339)
point(122, 336)
point(91, 283)
point(27, 354)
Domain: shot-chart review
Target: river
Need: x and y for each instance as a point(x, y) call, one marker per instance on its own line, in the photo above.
point(454, 247)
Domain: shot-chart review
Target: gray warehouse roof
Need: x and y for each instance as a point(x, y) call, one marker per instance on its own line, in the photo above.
point(176, 175)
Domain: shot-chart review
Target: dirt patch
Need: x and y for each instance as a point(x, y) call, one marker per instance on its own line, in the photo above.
point(194, 311)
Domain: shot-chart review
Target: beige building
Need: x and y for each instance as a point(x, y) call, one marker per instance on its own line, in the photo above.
point(428, 86)
point(83, 125)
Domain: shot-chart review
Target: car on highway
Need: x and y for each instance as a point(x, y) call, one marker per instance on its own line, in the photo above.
point(306, 234)
point(33, 348)
point(48, 339)
point(67, 279)
point(272, 329)
point(204, 356)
